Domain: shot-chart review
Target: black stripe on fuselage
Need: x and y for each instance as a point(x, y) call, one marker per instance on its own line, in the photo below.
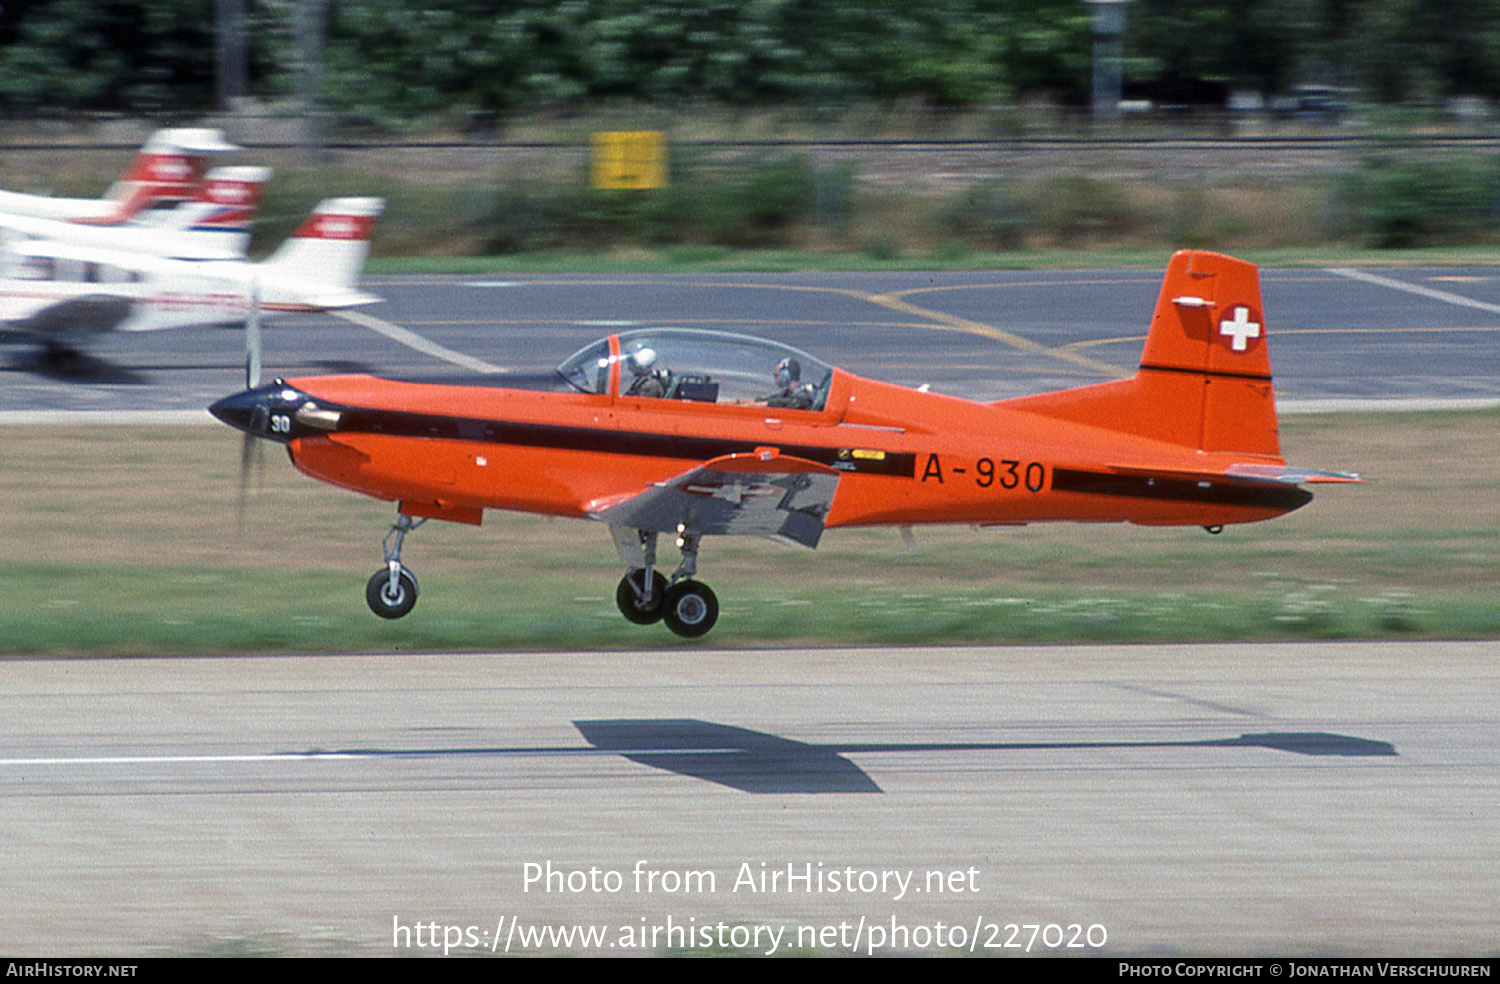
point(1221, 374)
point(1268, 495)
point(397, 423)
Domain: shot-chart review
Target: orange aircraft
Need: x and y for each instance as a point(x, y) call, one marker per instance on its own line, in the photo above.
point(696, 433)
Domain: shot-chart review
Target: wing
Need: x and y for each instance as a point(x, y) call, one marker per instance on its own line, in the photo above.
point(763, 493)
point(66, 322)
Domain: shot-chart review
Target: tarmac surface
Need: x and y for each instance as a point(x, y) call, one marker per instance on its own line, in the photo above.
point(1336, 335)
point(1301, 799)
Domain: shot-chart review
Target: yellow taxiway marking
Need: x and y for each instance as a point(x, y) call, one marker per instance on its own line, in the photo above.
point(953, 322)
point(894, 301)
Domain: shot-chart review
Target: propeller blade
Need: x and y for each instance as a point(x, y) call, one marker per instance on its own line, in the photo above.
point(252, 337)
point(252, 467)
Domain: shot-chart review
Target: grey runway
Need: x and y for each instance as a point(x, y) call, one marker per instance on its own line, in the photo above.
point(1191, 799)
point(1412, 333)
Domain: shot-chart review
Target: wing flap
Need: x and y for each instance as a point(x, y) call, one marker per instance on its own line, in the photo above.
point(762, 493)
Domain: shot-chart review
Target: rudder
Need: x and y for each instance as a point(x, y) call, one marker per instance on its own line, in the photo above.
point(331, 244)
point(1205, 374)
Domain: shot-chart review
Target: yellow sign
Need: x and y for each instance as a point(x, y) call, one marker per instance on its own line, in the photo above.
point(630, 159)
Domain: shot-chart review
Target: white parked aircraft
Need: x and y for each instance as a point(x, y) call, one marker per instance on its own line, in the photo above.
point(212, 224)
point(63, 295)
point(167, 169)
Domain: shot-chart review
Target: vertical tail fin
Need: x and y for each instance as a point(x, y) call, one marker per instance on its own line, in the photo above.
point(330, 246)
point(168, 167)
point(225, 204)
point(1205, 374)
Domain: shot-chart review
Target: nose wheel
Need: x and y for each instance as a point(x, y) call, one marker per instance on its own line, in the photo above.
point(392, 590)
point(391, 599)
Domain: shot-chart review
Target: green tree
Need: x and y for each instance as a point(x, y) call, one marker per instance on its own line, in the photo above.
point(151, 55)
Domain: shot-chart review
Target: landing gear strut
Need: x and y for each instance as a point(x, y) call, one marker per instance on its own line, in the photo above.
point(644, 596)
point(392, 590)
point(638, 603)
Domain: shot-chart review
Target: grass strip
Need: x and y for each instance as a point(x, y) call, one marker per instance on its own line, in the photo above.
point(125, 541)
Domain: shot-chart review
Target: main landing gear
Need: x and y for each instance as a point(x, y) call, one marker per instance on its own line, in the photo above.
point(644, 596)
point(392, 590)
point(688, 607)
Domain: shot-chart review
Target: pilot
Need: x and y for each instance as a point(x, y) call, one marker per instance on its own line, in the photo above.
point(649, 380)
point(795, 394)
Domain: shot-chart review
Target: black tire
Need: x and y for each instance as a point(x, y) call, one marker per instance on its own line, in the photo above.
point(690, 609)
point(383, 601)
point(628, 598)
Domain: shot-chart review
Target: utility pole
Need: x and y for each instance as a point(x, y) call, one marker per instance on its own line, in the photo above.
point(1109, 26)
point(231, 54)
point(309, 31)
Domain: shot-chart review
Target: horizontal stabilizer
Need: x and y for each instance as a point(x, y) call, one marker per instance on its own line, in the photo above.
point(1279, 474)
point(1290, 476)
point(335, 299)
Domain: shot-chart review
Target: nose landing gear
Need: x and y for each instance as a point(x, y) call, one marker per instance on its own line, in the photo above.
point(392, 590)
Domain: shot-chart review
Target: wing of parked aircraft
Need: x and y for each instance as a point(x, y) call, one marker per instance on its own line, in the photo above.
point(65, 324)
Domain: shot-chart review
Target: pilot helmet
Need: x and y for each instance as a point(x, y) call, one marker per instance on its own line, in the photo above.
point(788, 372)
point(642, 360)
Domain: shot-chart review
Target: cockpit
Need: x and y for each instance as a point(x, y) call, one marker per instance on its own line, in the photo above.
point(702, 367)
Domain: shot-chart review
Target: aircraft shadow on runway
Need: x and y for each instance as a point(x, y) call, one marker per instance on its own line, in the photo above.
point(74, 367)
point(756, 762)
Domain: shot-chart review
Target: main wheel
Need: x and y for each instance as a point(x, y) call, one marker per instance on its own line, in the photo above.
point(388, 603)
point(628, 596)
point(690, 608)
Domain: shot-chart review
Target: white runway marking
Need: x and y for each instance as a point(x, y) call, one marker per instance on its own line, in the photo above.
point(170, 759)
point(355, 754)
point(414, 341)
point(133, 418)
point(1418, 289)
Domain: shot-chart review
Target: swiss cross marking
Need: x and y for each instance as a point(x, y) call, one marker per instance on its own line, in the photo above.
point(1240, 328)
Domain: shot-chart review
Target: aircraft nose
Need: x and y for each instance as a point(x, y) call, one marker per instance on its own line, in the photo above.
point(266, 411)
point(246, 411)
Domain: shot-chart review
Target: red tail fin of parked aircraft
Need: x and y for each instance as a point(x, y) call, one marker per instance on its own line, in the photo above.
point(331, 244)
point(168, 168)
point(222, 209)
point(230, 196)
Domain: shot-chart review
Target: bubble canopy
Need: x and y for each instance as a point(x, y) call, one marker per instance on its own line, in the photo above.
point(702, 366)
